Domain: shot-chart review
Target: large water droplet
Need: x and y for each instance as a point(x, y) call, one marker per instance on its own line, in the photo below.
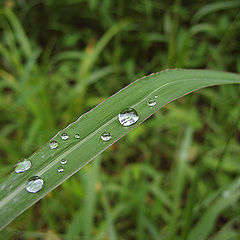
point(64, 136)
point(60, 169)
point(23, 166)
point(53, 144)
point(34, 184)
point(151, 102)
point(106, 136)
point(64, 161)
point(77, 136)
point(128, 117)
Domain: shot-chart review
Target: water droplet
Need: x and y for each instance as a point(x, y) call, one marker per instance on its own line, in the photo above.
point(106, 136)
point(34, 184)
point(156, 96)
point(60, 169)
point(23, 166)
point(77, 136)
point(64, 161)
point(151, 102)
point(64, 136)
point(53, 144)
point(128, 117)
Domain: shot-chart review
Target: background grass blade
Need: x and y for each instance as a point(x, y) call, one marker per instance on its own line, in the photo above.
point(213, 7)
point(178, 179)
point(83, 219)
point(167, 85)
point(206, 223)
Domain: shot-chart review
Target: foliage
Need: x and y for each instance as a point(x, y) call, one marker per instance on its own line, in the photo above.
point(61, 58)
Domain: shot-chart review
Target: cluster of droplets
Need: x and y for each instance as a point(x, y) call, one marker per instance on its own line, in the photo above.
point(54, 144)
point(127, 117)
point(34, 183)
point(64, 136)
point(60, 169)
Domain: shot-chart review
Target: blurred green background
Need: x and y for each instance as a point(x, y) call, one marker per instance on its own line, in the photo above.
point(174, 177)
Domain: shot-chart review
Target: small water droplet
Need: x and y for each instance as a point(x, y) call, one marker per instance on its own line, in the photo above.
point(64, 161)
point(106, 136)
point(23, 166)
point(77, 136)
point(64, 136)
point(60, 169)
point(53, 144)
point(151, 102)
point(156, 96)
point(34, 184)
point(128, 117)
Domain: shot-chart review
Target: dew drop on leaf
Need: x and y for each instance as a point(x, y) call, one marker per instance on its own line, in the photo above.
point(23, 166)
point(128, 117)
point(53, 144)
point(60, 169)
point(64, 136)
point(34, 184)
point(77, 136)
point(64, 161)
point(151, 102)
point(106, 136)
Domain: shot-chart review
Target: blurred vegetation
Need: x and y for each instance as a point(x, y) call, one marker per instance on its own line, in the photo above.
point(174, 177)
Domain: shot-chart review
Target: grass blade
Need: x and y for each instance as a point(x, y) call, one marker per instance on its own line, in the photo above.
point(19, 33)
point(206, 223)
point(214, 7)
point(167, 85)
point(83, 219)
point(179, 179)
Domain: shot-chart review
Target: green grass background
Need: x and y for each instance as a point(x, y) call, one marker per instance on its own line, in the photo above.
point(174, 177)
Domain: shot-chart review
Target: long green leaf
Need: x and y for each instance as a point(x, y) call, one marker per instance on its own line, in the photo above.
point(167, 85)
